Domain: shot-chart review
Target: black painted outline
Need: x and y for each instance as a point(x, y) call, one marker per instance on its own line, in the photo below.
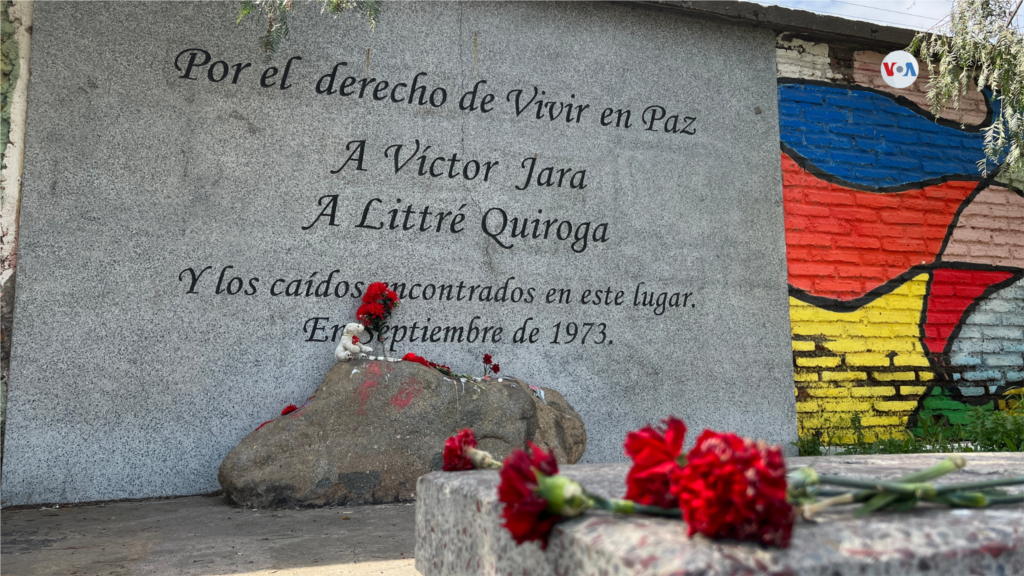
point(827, 176)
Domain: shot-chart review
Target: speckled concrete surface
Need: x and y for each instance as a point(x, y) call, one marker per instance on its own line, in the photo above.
point(202, 536)
point(458, 531)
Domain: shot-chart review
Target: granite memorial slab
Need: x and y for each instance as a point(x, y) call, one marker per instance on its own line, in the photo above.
point(459, 532)
point(589, 192)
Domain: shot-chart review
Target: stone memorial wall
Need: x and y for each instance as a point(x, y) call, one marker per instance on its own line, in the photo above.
point(589, 192)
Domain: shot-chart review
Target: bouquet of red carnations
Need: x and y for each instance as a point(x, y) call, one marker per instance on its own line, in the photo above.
point(725, 487)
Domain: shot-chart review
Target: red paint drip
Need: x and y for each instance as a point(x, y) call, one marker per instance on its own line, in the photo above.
point(409, 390)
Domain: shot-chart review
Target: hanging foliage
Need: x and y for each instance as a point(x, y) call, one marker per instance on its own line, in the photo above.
point(276, 12)
point(981, 42)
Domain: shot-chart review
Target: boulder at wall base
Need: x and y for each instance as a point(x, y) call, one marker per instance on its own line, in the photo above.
point(372, 428)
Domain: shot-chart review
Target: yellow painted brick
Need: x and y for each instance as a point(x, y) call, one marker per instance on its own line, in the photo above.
point(906, 330)
point(839, 392)
point(856, 343)
point(861, 391)
point(886, 376)
point(845, 406)
point(904, 303)
point(883, 420)
point(892, 344)
point(916, 287)
point(912, 390)
point(867, 360)
point(895, 316)
point(836, 376)
point(910, 360)
point(821, 362)
point(805, 314)
point(805, 377)
point(818, 329)
point(893, 406)
point(848, 345)
point(926, 376)
point(806, 406)
point(877, 330)
point(803, 346)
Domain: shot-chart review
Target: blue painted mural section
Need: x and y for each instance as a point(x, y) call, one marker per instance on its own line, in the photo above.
point(991, 344)
point(869, 140)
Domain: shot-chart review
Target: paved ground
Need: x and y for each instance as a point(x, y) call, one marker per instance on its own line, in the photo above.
point(202, 536)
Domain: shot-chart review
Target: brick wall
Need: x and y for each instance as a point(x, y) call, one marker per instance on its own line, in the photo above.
point(905, 264)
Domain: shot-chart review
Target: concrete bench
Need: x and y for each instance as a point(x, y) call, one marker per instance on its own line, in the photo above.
point(458, 531)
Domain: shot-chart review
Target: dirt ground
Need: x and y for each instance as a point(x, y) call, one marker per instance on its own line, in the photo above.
point(203, 536)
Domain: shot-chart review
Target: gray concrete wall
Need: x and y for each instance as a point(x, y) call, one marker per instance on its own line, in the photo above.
point(127, 384)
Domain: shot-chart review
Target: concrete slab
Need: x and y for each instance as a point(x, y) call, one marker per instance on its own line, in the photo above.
point(459, 531)
point(202, 536)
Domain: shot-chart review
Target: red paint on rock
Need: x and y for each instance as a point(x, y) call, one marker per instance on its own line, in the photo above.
point(363, 393)
point(409, 390)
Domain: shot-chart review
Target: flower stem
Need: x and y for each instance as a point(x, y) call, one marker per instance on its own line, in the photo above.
point(482, 459)
point(908, 489)
point(1009, 499)
point(810, 510)
point(617, 506)
point(984, 484)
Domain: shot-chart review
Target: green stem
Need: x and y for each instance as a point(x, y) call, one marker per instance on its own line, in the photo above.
point(984, 484)
point(617, 506)
point(915, 489)
point(1009, 499)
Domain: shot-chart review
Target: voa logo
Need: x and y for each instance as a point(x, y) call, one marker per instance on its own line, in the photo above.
point(899, 69)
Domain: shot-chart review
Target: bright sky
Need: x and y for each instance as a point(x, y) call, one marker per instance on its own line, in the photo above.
point(914, 14)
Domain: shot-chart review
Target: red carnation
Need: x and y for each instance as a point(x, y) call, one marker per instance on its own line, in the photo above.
point(487, 359)
point(410, 357)
point(289, 409)
point(455, 456)
point(374, 292)
point(655, 452)
point(732, 487)
point(495, 368)
point(370, 312)
point(524, 512)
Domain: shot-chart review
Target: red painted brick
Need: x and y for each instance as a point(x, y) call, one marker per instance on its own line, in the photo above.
point(839, 286)
point(829, 225)
point(810, 269)
point(860, 214)
point(857, 242)
point(802, 209)
point(905, 245)
point(902, 217)
point(878, 230)
point(878, 200)
point(859, 272)
point(832, 198)
point(808, 239)
point(797, 222)
point(925, 205)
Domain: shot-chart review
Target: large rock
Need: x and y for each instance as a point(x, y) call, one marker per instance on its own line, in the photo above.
point(372, 428)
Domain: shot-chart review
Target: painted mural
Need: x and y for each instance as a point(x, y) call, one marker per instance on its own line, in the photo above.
point(905, 264)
